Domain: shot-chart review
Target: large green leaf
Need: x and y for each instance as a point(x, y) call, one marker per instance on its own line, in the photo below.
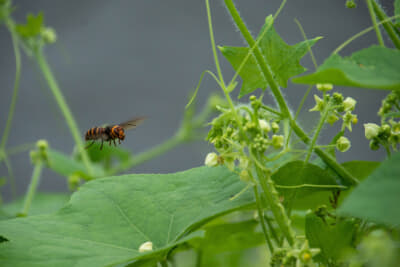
point(42, 203)
point(334, 238)
point(376, 198)
point(304, 186)
point(283, 59)
point(107, 220)
point(375, 67)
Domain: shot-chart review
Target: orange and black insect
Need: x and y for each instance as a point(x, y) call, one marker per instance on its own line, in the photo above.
point(111, 133)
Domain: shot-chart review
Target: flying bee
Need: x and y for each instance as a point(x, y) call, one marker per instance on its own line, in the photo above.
point(112, 132)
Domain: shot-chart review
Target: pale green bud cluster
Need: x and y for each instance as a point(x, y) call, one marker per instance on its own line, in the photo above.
point(385, 135)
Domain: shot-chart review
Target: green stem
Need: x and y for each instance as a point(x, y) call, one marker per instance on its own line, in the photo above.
point(261, 216)
point(271, 229)
point(318, 130)
point(389, 27)
point(277, 209)
point(373, 18)
point(164, 263)
point(149, 154)
point(52, 83)
point(32, 187)
point(331, 162)
point(260, 59)
point(17, 54)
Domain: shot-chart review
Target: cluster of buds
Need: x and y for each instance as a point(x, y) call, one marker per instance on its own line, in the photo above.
point(386, 134)
point(336, 107)
point(248, 129)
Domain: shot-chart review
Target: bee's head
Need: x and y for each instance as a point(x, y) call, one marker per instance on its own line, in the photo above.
point(119, 131)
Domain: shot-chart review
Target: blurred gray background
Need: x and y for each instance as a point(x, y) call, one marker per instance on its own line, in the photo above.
point(118, 59)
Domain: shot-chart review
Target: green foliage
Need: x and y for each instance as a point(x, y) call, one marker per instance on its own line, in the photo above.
point(107, 220)
point(301, 184)
point(224, 244)
point(283, 59)
point(42, 203)
point(333, 236)
point(397, 11)
point(375, 199)
point(374, 68)
point(33, 26)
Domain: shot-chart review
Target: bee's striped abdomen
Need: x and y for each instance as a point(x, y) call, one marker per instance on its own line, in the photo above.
point(94, 133)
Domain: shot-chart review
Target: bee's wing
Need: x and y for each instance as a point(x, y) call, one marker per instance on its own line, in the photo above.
point(132, 123)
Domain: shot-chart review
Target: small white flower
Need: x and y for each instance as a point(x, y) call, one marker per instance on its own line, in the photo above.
point(211, 159)
point(146, 247)
point(343, 144)
point(349, 104)
point(264, 125)
point(371, 130)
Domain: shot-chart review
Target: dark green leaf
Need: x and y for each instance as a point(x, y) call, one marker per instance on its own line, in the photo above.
point(376, 198)
point(375, 67)
point(361, 169)
point(334, 238)
point(304, 186)
point(107, 220)
point(283, 59)
point(42, 203)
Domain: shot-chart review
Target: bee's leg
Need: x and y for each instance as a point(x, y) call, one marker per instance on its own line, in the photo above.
point(89, 145)
point(114, 142)
point(109, 143)
point(101, 146)
point(119, 141)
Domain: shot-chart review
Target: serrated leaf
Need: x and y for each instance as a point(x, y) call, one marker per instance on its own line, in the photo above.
point(42, 203)
point(375, 67)
point(107, 220)
point(283, 59)
point(33, 26)
point(376, 198)
point(304, 186)
point(333, 238)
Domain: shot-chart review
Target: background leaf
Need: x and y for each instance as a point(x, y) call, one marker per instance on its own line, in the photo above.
point(42, 203)
point(397, 11)
point(297, 173)
point(334, 238)
point(283, 59)
point(376, 199)
point(107, 220)
point(375, 67)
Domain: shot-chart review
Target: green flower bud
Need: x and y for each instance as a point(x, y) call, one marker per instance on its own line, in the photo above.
point(277, 141)
point(244, 176)
point(349, 104)
point(374, 144)
point(337, 98)
point(324, 87)
point(74, 182)
point(252, 98)
point(350, 4)
point(49, 35)
point(371, 131)
point(385, 131)
point(275, 127)
point(211, 160)
point(343, 144)
point(332, 118)
point(42, 144)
